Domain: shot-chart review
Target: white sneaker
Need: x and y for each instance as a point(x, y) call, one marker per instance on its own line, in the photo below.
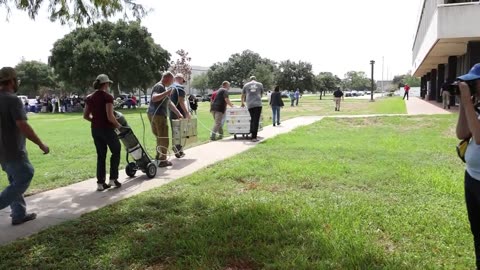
point(114, 183)
point(100, 187)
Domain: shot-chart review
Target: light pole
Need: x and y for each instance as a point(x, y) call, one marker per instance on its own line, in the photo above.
point(372, 62)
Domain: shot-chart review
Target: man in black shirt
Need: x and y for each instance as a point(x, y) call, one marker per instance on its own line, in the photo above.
point(219, 107)
point(337, 96)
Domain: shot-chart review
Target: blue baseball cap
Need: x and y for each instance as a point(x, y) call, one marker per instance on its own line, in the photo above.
point(474, 74)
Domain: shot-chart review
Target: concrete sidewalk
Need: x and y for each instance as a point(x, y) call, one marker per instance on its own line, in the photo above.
point(56, 206)
point(418, 106)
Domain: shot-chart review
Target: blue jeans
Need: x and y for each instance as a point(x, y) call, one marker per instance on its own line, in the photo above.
point(20, 174)
point(276, 115)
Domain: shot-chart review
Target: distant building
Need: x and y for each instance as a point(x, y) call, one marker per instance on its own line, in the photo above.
point(196, 71)
point(385, 85)
point(447, 43)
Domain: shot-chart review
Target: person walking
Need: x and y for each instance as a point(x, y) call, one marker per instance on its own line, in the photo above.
point(193, 103)
point(468, 128)
point(14, 130)
point(178, 98)
point(277, 103)
point(219, 107)
point(446, 95)
point(297, 96)
point(252, 94)
point(338, 97)
point(292, 97)
point(99, 111)
point(406, 88)
point(157, 114)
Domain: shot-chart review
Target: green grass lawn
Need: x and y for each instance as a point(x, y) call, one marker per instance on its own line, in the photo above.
point(73, 158)
point(373, 193)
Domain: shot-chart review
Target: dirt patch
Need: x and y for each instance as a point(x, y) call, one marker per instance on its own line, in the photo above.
point(242, 264)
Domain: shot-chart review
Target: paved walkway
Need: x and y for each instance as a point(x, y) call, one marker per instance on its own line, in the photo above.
point(418, 106)
point(58, 205)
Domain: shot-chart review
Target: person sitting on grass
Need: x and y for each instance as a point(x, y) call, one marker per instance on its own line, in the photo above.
point(13, 153)
point(99, 111)
point(468, 128)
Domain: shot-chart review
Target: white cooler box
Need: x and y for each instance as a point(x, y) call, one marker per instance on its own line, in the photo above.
point(184, 131)
point(238, 121)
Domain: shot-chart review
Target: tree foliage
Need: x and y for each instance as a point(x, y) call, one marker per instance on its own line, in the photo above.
point(200, 83)
point(326, 81)
point(401, 80)
point(239, 68)
point(125, 51)
point(291, 75)
point(78, 11)
point(182, 65)
point(34, 75)
point(356, 80)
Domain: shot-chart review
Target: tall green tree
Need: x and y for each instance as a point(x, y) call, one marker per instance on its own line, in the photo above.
point(239, 68)
point(125, 51)
point(291, 75)
point(33, 76)
point(401, 80)
point(264, 74)
point(78, 11)
point(356, 80)
point(200, 83)
point(326, 82)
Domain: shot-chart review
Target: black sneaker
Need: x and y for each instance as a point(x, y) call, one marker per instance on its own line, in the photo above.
point(164, 163)
point(102, 187)
point(114, 183)
point(26, 218)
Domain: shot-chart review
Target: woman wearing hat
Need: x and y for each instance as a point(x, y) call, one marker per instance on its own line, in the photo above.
point(99, 111)
point(468, 128)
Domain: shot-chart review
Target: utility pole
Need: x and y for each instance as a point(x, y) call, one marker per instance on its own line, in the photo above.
point(383, 64)
point(372, 62)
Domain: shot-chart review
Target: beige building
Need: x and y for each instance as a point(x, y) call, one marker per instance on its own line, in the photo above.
point(447, 43)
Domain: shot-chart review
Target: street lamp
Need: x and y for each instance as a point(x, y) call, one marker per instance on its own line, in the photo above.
point(372, 62)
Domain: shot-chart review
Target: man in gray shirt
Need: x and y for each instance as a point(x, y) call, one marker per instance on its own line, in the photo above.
point(252, 94)
point(13, 155)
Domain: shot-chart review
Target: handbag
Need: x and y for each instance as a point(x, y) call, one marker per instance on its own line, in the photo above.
point(462, 149)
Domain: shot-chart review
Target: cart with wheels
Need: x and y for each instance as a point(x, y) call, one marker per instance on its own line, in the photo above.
point(238, 122)
point(141, 159)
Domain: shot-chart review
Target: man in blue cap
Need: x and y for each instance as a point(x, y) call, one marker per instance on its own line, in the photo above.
point(468, 128)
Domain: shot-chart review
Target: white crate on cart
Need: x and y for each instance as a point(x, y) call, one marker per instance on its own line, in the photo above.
point(184, 131)
point(238, 121)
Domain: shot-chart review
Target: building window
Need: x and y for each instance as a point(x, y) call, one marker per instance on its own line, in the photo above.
point(459, 1)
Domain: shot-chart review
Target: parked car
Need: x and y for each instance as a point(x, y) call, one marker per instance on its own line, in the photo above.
point(198, 97)
point(348, 93)
point(207, 97)
point(24, 99)
point(285, 94)
point(354, 93)
point(34, 106)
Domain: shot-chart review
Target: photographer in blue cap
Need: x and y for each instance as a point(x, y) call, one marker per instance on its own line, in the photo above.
point(468, 128)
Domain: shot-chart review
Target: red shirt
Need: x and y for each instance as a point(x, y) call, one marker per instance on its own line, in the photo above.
point(407, 88)
point(97, 104)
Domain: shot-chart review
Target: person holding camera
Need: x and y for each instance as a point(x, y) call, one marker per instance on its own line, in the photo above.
point(468, 128)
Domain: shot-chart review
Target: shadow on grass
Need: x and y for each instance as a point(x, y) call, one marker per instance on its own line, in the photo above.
point(190, 233)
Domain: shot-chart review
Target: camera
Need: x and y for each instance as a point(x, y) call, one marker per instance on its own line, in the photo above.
point(455, 90)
